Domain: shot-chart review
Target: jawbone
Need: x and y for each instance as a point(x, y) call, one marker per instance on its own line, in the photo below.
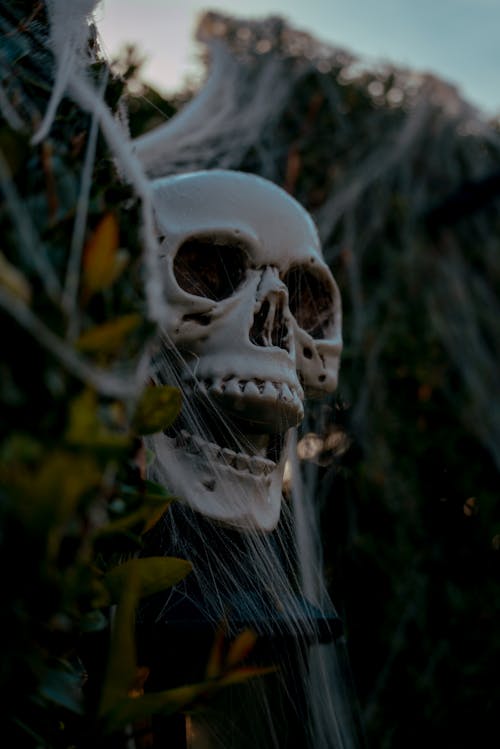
point(234, 488)
point(225, 455)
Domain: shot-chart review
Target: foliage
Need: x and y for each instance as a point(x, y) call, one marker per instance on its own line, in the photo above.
point(402, 179)
point(74, 403)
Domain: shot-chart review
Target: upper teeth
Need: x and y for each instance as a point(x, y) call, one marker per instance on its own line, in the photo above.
point(235, 386)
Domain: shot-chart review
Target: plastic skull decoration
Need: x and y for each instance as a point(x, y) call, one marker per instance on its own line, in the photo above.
point(254, 324)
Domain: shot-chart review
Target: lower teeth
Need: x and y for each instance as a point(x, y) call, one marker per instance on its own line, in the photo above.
point(195, 445)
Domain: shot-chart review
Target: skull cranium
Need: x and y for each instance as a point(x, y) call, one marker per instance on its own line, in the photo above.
point(254, 322)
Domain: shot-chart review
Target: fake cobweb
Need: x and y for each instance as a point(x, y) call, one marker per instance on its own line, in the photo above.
point(401, 180)
point(399, 172)
point(401, 176)
point(250, 579)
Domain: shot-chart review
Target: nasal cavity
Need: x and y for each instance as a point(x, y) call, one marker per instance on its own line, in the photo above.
point(269, 326)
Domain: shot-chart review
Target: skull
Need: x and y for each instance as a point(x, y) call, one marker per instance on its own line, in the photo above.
point(254, 325)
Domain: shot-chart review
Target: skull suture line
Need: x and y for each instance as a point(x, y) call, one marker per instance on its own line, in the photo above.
point(254, 322)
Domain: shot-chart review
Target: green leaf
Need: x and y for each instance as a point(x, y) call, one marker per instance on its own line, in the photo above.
point(127, 583)
point(131, 710)
point(173, 700)
point(49, 493)
point(122, 661)
point(155, 513)
point(109, 337)
point(156, 493)
point(21, 447)
point(86, 429)
point(149, 492)
point(145, 517)
point(154, 574)
point(123, 525)
point(158, 407)
point(240, 675)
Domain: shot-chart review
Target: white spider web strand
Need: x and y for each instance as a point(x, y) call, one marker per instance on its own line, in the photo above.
point(78, 237)
point(68, 39)
point(69, 42)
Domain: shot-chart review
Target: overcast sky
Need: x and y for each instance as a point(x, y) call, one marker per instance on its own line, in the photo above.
point(457, 39)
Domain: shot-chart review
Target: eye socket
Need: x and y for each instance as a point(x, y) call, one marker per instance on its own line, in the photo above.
point(207, 269)
point(311, 301)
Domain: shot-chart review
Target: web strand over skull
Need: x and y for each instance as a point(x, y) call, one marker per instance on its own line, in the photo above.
point(253, 326)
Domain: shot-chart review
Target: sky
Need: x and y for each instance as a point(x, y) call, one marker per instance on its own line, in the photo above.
point(459, 40)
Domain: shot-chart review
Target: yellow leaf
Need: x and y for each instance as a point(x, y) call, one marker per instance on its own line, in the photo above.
point(154, 573)
point(214, 665)
point(124, 524)
point(102, 261)
point(109, 337)
point(241, 647)
point(13, 280)
point(158, 407)
point(155, 515)
point(145, 517)
point(86, 429)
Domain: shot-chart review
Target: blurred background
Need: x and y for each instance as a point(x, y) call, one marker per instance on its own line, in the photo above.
point(381, 119)
point(456, 39)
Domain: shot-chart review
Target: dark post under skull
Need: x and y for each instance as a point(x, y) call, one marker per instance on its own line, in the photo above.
point(254, 323)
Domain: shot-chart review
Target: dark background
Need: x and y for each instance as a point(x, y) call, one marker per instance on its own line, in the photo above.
point(402, 179)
